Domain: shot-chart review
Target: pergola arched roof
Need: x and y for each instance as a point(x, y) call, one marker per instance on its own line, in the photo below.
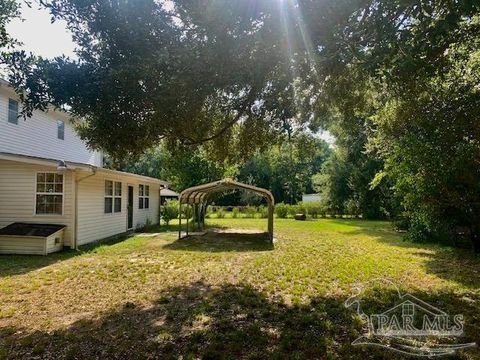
point(199, 194)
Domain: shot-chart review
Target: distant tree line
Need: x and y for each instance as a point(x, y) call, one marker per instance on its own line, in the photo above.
point(286, 168)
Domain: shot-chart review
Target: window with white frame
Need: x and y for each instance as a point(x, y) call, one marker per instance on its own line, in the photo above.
point(49, 194)
point(143, 196)
point(113, 197)
point(61, 129)
point(12, 111)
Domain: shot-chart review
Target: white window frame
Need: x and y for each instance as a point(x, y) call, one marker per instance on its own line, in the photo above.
point(142, 197)
point(8, 112)
point(45, 193)
point(113, 197)
point(58, 130)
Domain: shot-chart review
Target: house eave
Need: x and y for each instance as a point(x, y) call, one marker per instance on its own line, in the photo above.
point(75, 166)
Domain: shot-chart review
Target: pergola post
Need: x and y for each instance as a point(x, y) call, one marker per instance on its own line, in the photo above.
point(204, 213)
point(196, 219)
point(270, 221)
point(188, 218)
point(179, 220)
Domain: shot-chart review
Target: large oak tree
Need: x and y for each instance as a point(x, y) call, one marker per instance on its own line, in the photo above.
point(186, 71)
point(194, 71)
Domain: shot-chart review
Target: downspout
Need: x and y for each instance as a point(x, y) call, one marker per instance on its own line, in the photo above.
point(77, 181)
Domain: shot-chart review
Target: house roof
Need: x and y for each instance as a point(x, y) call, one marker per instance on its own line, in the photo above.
point(169, 193)
point(28, 229)
point(74, 166)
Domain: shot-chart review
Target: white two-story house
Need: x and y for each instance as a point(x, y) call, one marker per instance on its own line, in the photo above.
point(48, 176)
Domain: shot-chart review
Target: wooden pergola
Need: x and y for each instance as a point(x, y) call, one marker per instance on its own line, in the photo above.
point(198, 196)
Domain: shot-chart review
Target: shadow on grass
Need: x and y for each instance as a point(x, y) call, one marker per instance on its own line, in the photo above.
point(160, 228)
point(203, 322)
point(223, 242)
point(173, 227)
point(22, 264)
point(460, 266)
point(447, 262)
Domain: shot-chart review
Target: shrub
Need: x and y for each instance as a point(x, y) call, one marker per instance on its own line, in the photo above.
point(300, 208)
point(148, 225)
point(220, 213)
point(292, 210)
point(353, 208)
point(401, 223)
point(263, 211)
point(187, 211)
point(250, 212)
point(315, 209)
point(169, 211)
point(281, 210)
point(235, 212)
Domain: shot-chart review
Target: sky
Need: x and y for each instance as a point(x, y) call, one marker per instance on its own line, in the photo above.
point(39, 35)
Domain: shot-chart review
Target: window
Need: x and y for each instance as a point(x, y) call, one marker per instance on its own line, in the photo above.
point(113, 197)
point(143, 196)
point(117, 206)
point(12, 111)
point(61, 129)
point(49, 194)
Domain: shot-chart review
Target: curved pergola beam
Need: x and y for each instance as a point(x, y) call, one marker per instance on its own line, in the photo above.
point(219, 186)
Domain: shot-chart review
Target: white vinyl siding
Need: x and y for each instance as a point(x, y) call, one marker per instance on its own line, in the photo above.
point(39, 136)
point(93, 223)
point(32, 245)
point(18, 194)
point(22, 245)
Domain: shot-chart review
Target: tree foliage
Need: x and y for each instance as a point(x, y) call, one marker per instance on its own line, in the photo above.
point(287, 169)
point(410, 69)
point(147, 72)
point(9, 9)
point(182, 168)
point(430, 142)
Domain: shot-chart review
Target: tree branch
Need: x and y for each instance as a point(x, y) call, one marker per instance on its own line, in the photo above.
point(227, 125)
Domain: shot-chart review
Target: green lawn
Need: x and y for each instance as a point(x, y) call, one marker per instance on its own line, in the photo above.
point(229, 296)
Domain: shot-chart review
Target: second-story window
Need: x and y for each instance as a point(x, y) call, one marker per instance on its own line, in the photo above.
point(12, 111)
point(61, 129)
